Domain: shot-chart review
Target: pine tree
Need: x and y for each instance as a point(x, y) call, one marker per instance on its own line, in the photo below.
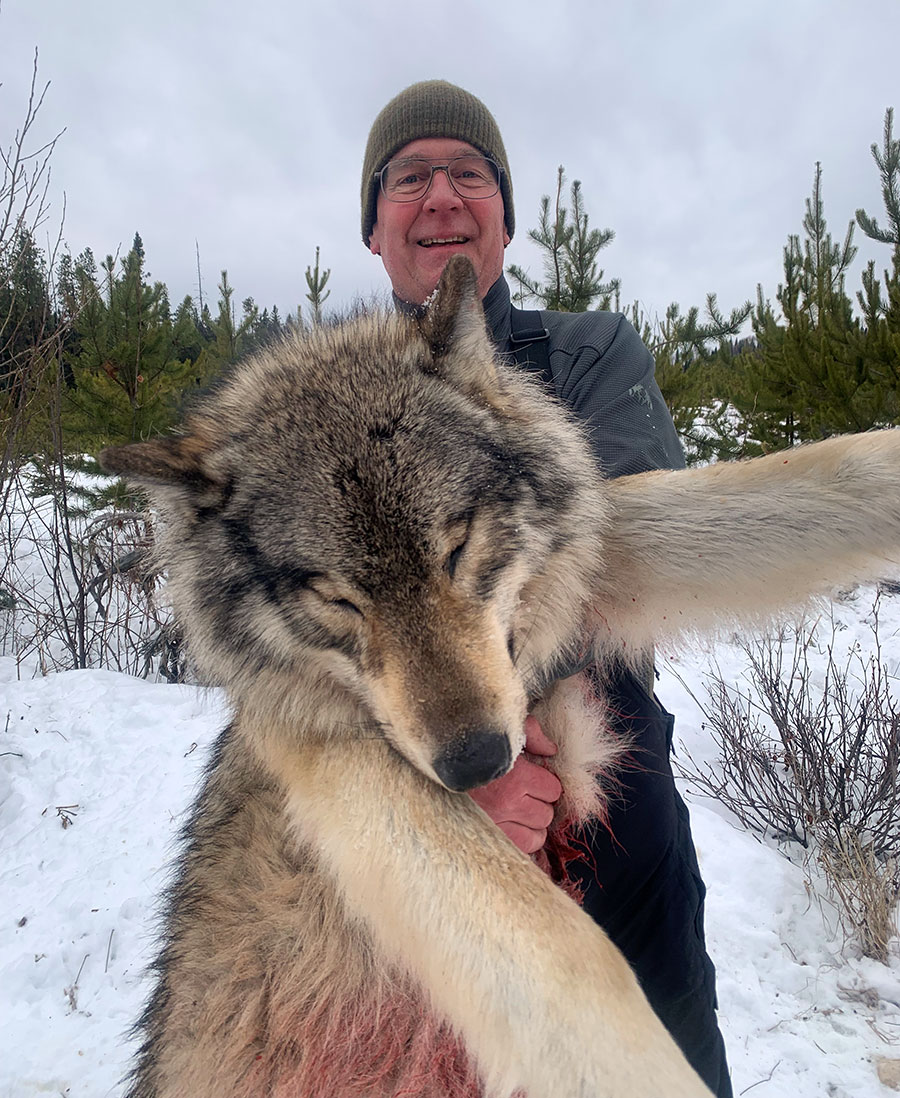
point(570, 249)
point(688, 354)
point(127, 369)
point(317, 294)
point(881, 314)
point(226, 339)
point(809, 376)
point(683, 346)
point(888, 160)
point(30, 332)
point(26, 311)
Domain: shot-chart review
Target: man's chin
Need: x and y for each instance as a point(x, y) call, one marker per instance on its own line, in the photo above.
point(432, 260)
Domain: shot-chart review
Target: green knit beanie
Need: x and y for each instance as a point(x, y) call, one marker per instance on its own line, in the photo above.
point(432, 108)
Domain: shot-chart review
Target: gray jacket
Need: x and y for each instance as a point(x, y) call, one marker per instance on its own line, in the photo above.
point(605, 374)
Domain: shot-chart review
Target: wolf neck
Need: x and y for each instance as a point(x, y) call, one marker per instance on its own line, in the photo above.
point(275, 708)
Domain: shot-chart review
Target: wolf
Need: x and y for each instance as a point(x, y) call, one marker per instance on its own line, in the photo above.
point(382, 541)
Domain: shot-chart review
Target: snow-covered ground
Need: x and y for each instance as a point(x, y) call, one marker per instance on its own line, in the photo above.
point(97, 768)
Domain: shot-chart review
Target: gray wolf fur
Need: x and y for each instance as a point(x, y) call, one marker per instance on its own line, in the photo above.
point(380, 540)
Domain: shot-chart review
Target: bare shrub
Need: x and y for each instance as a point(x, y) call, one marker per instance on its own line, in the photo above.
point(30, 330)
point(74, 588)
point(816, 764)
point(79, 589)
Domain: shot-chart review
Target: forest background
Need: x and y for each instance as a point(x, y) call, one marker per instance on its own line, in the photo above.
point(94, 352)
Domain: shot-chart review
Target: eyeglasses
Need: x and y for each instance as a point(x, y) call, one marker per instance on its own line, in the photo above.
point(409, 179)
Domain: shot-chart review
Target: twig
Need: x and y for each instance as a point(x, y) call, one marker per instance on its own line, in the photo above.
point(765, 1080)
point(81, 969)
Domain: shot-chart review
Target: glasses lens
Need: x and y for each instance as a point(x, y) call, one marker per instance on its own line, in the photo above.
point(409, 179)
point(474, 175)
point(405, 180)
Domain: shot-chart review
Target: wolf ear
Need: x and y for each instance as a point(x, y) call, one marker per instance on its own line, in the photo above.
point(165, 463)
point(455, 330)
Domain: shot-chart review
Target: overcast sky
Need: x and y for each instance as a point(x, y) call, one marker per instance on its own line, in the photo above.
point(694, 126)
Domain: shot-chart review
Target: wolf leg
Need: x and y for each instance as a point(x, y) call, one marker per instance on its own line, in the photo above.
point(543, 1001)
point(741, 541)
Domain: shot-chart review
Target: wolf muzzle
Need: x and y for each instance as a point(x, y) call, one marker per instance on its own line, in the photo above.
point(475, 760)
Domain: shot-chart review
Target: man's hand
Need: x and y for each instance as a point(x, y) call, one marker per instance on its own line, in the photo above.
point(521, 802)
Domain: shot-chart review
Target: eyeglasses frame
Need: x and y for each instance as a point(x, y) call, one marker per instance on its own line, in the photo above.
point(445, 168)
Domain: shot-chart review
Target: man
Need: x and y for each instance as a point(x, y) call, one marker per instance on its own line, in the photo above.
point(435, 182)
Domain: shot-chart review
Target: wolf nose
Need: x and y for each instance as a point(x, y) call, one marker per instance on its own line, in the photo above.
point(475, 760)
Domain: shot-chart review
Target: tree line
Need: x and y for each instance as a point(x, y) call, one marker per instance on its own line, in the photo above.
point(124, 358)
point(95, 352)
point(817, 362)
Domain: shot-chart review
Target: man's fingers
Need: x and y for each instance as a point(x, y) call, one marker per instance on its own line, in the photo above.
point(527, 840)
point(536, 743)
point(526, 794)
point(527, 811)
point(521, 802)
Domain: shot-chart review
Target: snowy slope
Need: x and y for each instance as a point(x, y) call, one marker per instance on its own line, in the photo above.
point(121, 756)
point(96, 770)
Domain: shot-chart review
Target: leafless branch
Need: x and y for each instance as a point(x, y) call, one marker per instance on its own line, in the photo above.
point(816, 764)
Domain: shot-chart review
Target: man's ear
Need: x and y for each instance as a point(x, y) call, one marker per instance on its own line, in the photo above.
point(456, 333)
point(375, 240)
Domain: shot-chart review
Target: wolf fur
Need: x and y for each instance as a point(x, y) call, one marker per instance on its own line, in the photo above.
point(381, 541)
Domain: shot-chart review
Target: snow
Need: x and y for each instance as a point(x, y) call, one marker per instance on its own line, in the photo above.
point(97, 769)
point(117, 758)
point(802, 1013)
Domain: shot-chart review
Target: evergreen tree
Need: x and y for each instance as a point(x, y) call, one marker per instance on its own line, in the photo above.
point(888, 160)
point(881, 314)
point(317, 294)
point(687, 351)
point(26, 311)
point(187, 338)
point(570, 249)
point(29, 330)
point(808, 376)
point(683, 346)
point(130, 363)
point(226, 339)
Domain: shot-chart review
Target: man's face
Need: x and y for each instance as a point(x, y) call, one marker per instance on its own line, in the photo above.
point(406, 234)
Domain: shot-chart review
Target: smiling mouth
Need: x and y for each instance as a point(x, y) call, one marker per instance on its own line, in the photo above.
point(434, 241)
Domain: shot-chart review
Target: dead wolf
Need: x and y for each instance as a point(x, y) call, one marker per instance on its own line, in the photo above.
point(381, 540)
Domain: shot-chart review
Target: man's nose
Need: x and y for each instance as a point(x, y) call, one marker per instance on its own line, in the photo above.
point(441, 194)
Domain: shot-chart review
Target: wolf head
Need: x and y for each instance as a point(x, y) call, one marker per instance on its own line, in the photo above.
point(379, 528)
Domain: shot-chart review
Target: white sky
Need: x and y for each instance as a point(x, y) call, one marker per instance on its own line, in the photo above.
point(694, 127)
